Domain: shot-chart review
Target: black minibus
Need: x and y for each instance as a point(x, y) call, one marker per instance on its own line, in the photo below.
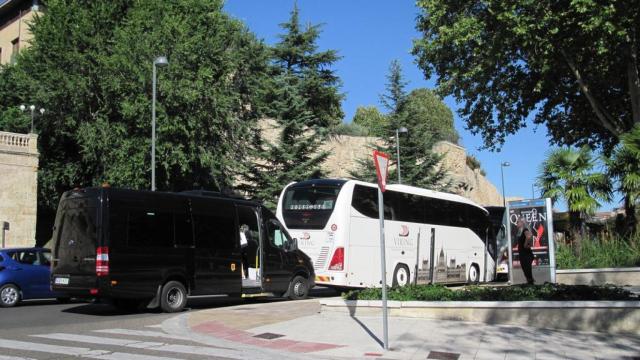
point(154, 248)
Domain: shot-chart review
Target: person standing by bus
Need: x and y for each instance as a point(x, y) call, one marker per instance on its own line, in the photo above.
point(525, 241)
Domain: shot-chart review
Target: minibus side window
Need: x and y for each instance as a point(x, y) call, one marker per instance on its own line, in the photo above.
point(149, 228)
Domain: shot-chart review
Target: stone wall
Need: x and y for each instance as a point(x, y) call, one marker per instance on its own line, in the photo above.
point(19, 187)
point(345, 150)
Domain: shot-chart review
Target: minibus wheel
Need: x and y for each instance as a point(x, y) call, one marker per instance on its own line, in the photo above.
point(174, 297)
point(298, 288)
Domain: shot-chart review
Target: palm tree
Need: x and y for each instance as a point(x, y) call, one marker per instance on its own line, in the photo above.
point(569, 174)
point(624, 166)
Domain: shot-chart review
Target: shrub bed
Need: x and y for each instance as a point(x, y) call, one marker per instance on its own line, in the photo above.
point(547, 292)
point(608, 252)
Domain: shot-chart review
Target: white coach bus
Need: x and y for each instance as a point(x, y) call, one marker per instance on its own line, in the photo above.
point(431, 237)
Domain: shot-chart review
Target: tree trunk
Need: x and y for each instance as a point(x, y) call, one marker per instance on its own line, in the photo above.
point(630, 216)
point(575, 229)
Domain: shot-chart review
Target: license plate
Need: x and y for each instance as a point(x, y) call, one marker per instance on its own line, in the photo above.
point(61, 281)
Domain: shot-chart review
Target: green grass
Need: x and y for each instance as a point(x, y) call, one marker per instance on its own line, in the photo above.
point(593, 253)
point(548, 292)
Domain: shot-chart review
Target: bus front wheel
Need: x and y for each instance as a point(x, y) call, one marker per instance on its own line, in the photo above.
point(400, 276)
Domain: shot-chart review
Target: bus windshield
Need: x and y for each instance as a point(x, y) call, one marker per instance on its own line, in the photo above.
point(309, 206)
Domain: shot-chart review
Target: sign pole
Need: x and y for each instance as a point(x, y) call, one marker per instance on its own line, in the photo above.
point(381, 161)
point(383, 266)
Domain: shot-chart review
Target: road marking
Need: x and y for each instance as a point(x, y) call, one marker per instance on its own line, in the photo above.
point(100, 340)
point(155, 346)
point(143, 333)
point(3, 357)
point(154, 326)
point(74, 351)
point(56, 349)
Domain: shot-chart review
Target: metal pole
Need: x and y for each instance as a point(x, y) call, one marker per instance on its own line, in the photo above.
point(383, 268)
point(32, 120)
point(153, 132)
point(504, 199)
point(3, 234)
point(398, 152)
point(533, 193)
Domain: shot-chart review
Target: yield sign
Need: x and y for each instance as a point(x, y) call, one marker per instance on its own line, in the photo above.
point(382, 168)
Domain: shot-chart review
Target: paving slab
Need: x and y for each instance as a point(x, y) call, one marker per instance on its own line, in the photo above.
point(297, 329)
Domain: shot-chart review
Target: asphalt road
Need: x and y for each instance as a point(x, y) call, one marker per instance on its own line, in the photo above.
point(48, 330)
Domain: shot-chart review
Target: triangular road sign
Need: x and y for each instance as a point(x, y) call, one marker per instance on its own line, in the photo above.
point(382, 168)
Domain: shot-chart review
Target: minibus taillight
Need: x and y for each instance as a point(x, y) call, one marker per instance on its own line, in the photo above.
point(102, 261)
point(337, 261)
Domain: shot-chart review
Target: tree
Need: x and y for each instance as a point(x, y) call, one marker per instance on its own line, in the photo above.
point(303, 98)
point(297, 53)
point(419, 164)
point(568, 174)
point(431, 114)
point(370, 118)
point(90, 66)
point(624, 166)
point(571, 65)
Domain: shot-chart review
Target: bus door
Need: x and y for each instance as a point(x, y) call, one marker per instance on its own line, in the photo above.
point(277, 272)
point(216, 255)
point(250, 245)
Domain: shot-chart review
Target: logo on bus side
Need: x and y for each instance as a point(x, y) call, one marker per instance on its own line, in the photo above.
point(305, 236)
point(404, 231)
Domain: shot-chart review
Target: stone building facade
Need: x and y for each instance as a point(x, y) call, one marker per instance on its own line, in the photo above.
point(15, 16)
point(18, 187)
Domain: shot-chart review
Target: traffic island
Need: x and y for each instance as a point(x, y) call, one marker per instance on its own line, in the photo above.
point(613, 317)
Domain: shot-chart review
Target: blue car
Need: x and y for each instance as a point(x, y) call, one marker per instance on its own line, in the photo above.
point(24, 274)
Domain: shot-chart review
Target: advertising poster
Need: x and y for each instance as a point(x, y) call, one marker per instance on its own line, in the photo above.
point(538, 218)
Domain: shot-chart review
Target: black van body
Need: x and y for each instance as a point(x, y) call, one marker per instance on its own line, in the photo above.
point(143, 247)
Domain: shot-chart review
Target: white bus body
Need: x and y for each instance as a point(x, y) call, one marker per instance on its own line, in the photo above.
point(430, 236)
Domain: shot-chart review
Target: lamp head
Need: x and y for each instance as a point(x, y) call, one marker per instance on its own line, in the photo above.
point(22, 107)
point(505, 164)
point(42, 111)
point(403, 130)
point(32, 107)
point(161, 61)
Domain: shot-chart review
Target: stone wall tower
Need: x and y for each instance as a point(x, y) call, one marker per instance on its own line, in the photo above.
point(19, 187)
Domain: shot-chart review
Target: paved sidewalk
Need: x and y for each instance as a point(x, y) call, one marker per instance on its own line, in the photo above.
point(297, 329)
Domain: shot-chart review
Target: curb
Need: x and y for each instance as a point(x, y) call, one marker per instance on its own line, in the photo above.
point(613, 317)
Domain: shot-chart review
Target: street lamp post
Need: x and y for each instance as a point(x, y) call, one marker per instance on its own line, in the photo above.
point(33, 109)
point(502, 166)
point(398, 131)
point(160, 61)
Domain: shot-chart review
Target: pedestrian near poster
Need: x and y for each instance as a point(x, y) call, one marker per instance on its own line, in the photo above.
point(538, 219)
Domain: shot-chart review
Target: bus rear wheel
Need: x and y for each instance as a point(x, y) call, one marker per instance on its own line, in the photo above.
point(474, 274)
point(401, 276)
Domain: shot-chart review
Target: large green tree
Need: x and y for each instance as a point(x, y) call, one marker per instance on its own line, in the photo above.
point(297, 54)
point(422, 113)
point(302, 97)
point(571, 65)
point(90, 67)
point(569, 174)
point(624, 168)
point(371, 119)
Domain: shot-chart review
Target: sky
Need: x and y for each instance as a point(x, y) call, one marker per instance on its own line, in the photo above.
point(369, 34)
